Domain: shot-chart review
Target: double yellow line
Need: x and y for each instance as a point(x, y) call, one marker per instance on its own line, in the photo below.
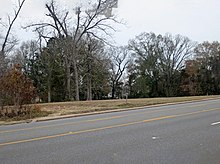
point(107, 127)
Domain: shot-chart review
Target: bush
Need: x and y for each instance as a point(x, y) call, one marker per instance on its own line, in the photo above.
point(16, 89)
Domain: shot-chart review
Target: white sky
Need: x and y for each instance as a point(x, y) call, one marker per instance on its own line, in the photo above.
point(197, 19)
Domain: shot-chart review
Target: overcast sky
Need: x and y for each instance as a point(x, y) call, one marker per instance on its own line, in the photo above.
point(197, 19)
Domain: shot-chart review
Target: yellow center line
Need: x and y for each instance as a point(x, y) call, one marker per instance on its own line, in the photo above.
point(106, 127)
point(87, 121)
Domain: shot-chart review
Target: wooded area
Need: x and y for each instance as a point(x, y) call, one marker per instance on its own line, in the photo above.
point(79, 63)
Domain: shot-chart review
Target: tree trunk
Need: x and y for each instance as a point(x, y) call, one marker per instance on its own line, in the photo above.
point(49, 82)
point(89, 88)
point(3, 65)
point(68, 79)
point(76, 80)
point(89, 80)
point(113, 91)
point(68, 82)
point(49, 94)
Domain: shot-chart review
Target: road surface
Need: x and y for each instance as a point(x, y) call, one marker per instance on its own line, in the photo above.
point(174, 134)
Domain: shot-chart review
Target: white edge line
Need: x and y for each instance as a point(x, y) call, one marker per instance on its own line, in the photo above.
point(215, 123)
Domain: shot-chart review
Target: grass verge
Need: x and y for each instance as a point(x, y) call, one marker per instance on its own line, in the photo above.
point(79, 107)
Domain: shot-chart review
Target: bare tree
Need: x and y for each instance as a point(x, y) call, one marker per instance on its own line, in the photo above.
point(119, 62)
point(72, 31)
point(176, 49)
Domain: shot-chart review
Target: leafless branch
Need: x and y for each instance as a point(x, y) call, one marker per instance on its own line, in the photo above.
point(11, 23)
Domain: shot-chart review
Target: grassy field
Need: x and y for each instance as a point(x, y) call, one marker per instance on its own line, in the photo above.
point(74, 107)
point(78, 107)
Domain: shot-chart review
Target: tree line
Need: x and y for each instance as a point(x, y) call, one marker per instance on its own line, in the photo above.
point(169, 65)
point(73, 59)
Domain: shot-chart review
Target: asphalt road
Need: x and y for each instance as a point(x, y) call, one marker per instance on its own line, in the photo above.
point(175, 134)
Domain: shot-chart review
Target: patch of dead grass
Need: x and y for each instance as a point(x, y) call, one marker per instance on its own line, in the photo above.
point(76, 107)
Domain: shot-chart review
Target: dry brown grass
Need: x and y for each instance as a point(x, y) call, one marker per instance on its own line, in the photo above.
point(76, 107)
point(29, 112)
